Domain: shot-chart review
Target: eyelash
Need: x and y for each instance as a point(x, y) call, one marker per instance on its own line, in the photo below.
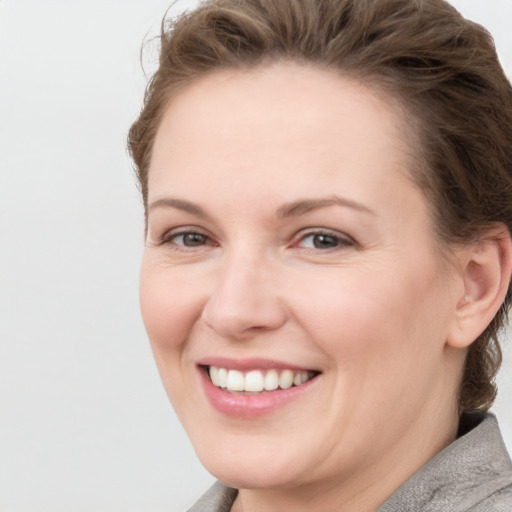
point(168, 238)
point(339, 241)
point(342, 241)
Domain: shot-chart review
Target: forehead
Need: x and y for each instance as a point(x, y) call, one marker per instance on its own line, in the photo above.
point(276, 122)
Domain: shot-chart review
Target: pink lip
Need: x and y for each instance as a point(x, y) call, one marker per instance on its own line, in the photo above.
point(249, 406)
point(244, 365)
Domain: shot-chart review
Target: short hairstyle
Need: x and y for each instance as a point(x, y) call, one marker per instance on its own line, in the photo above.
point(442, 69)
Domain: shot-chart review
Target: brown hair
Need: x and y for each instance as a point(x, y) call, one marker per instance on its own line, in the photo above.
point(442, 68)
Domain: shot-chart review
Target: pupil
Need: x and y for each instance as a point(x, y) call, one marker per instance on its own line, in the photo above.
point(324, 241)
point(193, 239)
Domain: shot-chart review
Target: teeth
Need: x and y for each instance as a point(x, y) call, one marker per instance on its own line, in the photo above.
point(214, 375)
point(219, 376)
point(286, 379)
point(300, 378)
point(257, 380)
point(254, 381)
point(236, 381)
point(271, 380)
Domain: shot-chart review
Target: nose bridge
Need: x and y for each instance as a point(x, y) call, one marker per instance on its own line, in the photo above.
point(244, 297)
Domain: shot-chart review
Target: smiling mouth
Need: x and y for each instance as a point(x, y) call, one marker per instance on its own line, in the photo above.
point(257, 381)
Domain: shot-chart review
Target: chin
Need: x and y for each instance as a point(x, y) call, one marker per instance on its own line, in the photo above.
point(254, 467)
point(244, 477)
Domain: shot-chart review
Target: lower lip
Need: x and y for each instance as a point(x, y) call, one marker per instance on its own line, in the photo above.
point(250, 406)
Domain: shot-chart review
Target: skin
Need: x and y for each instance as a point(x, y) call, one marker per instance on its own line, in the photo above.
point(374, 312)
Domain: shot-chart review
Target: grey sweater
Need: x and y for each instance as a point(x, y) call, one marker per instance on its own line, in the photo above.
point(473, 474)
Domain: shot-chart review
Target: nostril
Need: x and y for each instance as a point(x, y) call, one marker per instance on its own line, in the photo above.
point(237, 317)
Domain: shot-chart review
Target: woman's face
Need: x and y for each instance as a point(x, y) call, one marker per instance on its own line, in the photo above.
point(286, 243)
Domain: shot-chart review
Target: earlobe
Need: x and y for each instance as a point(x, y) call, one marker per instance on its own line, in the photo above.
point(487, 268)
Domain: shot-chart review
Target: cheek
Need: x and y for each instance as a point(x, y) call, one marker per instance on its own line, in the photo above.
point(384, 338)
point(372, 315)
point(170, 306)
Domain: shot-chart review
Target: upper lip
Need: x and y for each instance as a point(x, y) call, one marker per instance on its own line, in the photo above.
point(247, 364)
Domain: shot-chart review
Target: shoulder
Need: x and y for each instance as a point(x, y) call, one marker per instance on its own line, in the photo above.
point(490, 473)
point(473, 474)
point(497, 501)
point(217, 498)
point(492, 476)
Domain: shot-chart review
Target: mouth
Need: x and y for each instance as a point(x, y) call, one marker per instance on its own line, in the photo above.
point(257, 381)
point(253, 388)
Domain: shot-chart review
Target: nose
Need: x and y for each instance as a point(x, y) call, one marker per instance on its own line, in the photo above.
point(245, 299)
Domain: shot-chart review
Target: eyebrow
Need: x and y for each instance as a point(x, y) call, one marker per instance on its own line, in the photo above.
point(179, 204)
point(303, 206)
point(295, 208)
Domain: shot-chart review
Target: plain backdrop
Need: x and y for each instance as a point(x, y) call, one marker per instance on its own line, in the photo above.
point(84, 422)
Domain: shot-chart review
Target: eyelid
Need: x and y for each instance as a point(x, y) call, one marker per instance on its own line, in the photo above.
point(168, 235)
point(344, 239)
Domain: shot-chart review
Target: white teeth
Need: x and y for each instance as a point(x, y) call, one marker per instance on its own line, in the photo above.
point(222, 378)
point(256, 380)
point(286, 379)
point(235, 381)
point(271, 380)
point(214, 375)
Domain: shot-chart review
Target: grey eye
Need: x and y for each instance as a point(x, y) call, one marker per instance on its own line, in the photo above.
point(325, 241)
point(320, 241)
point(190, 239)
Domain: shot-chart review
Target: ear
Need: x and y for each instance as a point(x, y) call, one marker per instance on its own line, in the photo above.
point(486, 272)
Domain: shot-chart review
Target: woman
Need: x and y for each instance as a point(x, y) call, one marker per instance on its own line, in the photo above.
point(327, 186)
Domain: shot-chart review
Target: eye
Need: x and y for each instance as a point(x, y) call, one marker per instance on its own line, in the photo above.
point(187, 239)
point(323, 241)
point(190, 239)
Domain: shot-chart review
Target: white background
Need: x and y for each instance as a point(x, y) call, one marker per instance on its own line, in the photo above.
point(84, 422)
